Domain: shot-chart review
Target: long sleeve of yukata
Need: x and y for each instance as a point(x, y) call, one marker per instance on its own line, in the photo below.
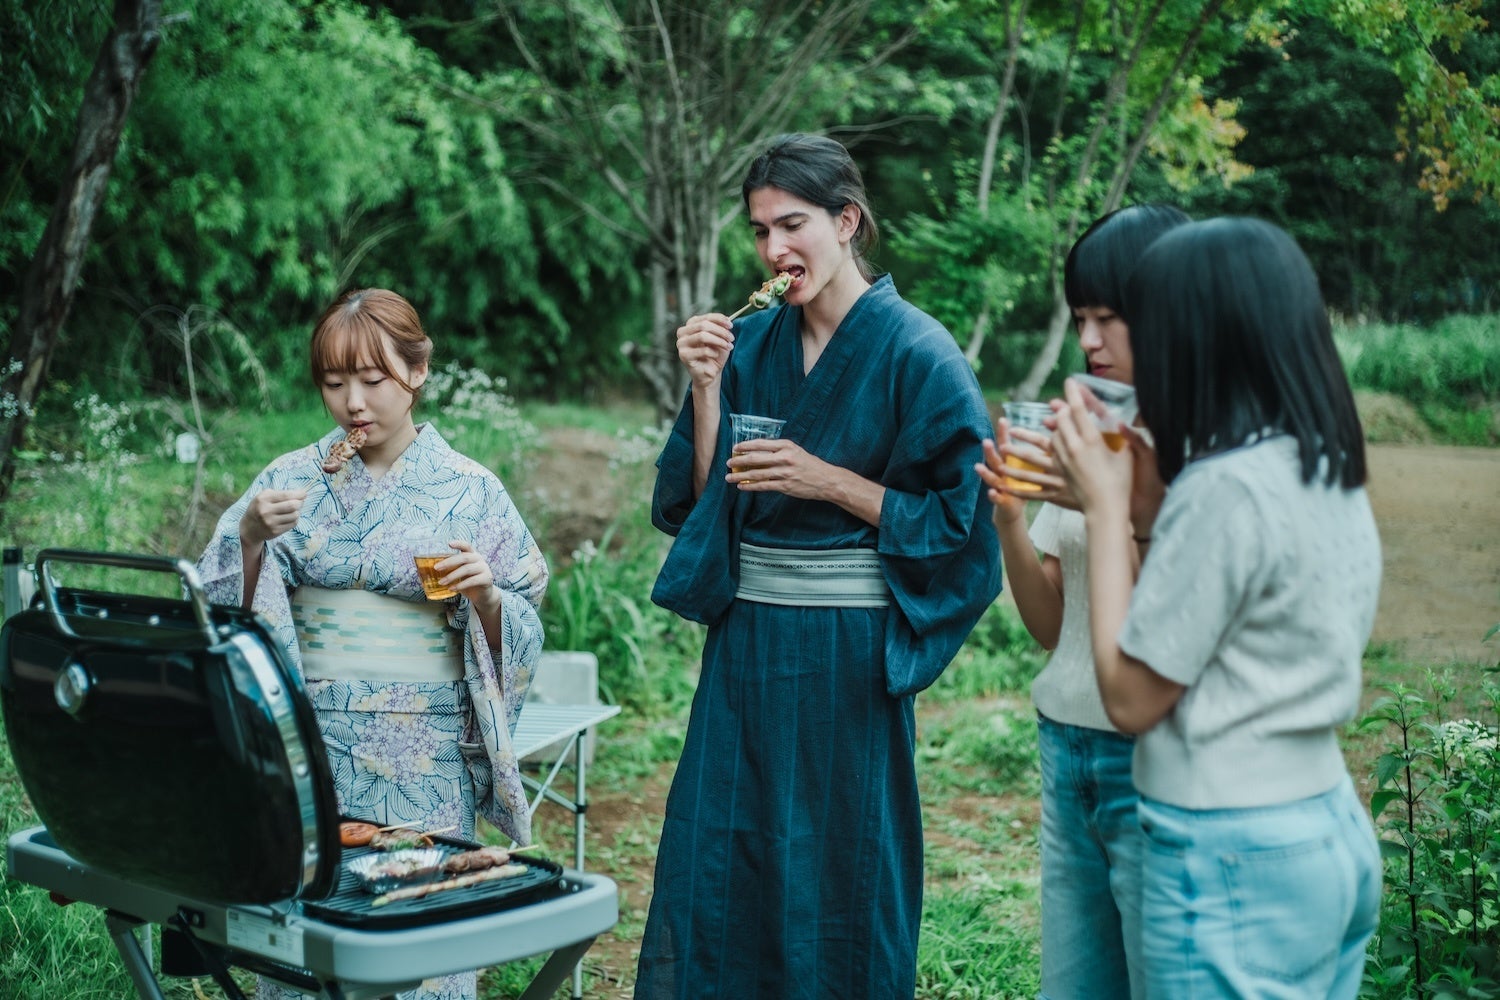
point(350, 535)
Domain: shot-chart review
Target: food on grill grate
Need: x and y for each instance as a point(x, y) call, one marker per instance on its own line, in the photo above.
point(356, 834)
point(392, 838)
point(344, 450)
point(476, 860)
point(458, 882)
point(387, 871)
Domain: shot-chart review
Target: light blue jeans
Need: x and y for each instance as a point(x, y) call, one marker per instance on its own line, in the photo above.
point(1091, 865)
point(1276, 902)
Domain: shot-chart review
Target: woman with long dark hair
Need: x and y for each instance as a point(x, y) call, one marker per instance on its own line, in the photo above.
point(1236, 654)
point(1090, 837)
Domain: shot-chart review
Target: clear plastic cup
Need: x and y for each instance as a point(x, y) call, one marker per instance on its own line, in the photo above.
point(429, 546)
point(1026, 416)
point(746, 427)
point(1119, 403)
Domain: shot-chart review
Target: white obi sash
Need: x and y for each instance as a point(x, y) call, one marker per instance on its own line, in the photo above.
point(830, 578)
point(357, 635)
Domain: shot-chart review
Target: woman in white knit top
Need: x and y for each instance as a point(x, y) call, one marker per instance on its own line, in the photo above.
point(1236, 654)
point(1090, 838)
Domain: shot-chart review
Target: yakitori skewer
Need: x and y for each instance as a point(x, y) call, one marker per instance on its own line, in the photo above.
point(762, 296)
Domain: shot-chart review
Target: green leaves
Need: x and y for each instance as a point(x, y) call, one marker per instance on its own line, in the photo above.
point(1437, 792)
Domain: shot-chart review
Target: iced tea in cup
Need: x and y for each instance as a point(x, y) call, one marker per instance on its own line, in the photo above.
point(429, 546)
point(746, 427)
point(1026, 416)
point(1118, 400)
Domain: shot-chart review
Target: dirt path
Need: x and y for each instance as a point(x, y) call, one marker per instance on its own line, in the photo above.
point(1439, 516)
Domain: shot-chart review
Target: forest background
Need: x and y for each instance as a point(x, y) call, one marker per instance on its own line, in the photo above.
point(550, 182)
point(556, 185)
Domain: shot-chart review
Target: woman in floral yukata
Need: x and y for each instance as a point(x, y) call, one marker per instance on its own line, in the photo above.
point(416, 699)
point(839, 568)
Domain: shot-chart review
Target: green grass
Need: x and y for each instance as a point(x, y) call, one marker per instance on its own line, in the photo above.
point(1449, 372)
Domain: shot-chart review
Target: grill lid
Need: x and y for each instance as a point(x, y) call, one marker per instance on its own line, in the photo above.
point(168, 742)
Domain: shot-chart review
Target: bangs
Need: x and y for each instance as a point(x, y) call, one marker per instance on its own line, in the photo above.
point(348, 342)
point(1094, 282)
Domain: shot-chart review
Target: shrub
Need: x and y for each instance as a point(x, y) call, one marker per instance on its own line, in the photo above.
point(1455, 362)
point(1435, 803)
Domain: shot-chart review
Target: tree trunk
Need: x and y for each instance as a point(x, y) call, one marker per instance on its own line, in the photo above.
point(47, 291)
point(1046, 358)
point(981, 326)
point(1114, 102)
point(694, 93)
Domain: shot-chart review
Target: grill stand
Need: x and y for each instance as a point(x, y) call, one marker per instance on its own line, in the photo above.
point(566, 727)
point(124, 932)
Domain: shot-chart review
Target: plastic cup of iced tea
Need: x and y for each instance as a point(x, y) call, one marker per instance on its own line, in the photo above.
point(748, 427)
point(429, 546)
point(1026, 416)
point(1119, 404)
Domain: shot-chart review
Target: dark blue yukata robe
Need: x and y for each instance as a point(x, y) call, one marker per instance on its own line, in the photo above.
point(791, 855)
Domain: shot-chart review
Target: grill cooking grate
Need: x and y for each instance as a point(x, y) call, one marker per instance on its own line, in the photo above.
point(350, 905)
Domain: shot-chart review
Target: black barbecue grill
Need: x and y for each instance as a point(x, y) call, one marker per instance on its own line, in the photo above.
point(176, 765)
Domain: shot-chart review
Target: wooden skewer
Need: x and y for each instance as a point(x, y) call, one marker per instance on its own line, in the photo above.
point(458, 882)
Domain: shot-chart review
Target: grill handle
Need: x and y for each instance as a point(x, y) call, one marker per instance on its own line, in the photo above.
point(192, 583)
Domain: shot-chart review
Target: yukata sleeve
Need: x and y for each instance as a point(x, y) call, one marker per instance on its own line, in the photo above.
point(672, 499)
point(499, 673)
point(697, 578)
point(221, 567)
point(936, 541)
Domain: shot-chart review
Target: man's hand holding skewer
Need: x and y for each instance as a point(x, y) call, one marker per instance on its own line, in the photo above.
point(704, 342)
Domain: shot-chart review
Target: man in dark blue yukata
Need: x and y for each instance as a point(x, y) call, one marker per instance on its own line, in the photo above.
point(839, 567)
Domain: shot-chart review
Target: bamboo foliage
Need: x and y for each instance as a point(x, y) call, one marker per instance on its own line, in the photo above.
point(686, 96)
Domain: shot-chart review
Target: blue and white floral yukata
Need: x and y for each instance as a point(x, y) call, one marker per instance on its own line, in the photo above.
point(405, 743)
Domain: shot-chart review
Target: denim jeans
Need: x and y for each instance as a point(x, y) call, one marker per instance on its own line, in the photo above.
point(1274, 902)
point(1091, 865)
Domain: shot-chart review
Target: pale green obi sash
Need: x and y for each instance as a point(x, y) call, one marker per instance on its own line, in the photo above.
point(833, 578)
point(356, 635)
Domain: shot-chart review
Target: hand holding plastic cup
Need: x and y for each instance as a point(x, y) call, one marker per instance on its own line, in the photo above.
point(1119, 405)
point(430, 546)
point(746, 427)
point(1025, 416)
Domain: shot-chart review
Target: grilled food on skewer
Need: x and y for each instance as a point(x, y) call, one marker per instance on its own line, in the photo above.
point(475, 860)
point(403, 838)
point(458, 882)
point(356, 834)
point(762, 296)
point(344, 450)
